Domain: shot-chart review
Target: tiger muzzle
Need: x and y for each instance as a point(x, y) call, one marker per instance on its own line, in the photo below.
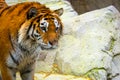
point(55, 42)
point(53, 39)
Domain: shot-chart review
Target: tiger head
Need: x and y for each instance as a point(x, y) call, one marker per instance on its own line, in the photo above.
point(44, 28)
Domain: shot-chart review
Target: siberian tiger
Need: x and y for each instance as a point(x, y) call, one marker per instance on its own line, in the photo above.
point(25, 29)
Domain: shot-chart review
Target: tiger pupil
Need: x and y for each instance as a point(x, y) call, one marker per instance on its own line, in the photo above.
point(56, 28)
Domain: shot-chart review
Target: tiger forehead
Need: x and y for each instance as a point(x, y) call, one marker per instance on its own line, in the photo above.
point(46, 17)
point(49, 17)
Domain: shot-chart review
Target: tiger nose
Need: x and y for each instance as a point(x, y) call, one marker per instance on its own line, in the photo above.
point(52, 38)
point(54, 42)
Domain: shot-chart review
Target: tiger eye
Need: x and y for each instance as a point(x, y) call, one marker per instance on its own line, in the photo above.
point(45, 18)
point(53, 18)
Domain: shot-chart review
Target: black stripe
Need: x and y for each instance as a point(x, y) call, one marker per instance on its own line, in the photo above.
point(16, 62)
point(29, 27)
point(39, 38)
point(23, 49)
point(36, 35)
point(46, 15)
point(13, 8)
point(12, 68)
point(33, 30)
point(14, 75)
point(38, 18)
point(28, 37)
point(32, 24)
point(26, 72)
point(24, 8)
point(4, 10)
point(10, 39)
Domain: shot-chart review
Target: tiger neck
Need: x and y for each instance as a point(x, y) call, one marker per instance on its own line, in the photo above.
point(25, 52)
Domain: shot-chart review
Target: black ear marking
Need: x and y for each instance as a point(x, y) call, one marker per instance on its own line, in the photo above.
point(31, 13)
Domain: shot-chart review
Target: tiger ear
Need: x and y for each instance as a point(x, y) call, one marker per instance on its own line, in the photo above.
point(32, 13)
point(59, 11)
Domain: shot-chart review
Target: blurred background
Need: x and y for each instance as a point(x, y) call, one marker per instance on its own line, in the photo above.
point(82, 6)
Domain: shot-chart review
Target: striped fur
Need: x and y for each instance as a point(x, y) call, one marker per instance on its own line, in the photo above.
point(25, 29)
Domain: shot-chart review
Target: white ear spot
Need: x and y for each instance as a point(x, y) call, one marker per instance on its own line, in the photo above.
point(56, 24)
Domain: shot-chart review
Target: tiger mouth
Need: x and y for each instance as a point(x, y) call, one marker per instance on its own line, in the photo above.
point(48, 46)
point(51, 48)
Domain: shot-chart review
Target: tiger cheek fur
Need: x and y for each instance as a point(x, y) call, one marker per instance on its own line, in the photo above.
point(25, 29)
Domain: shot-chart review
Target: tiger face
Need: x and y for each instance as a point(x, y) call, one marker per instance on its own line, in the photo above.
point(45, 29)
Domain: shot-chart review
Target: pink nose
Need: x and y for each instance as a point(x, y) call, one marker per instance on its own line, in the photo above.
point(55, 42)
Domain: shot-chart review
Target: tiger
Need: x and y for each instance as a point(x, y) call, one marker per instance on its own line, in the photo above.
point(25, 29)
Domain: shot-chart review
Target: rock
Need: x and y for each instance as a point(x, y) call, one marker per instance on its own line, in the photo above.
point(97, 74)
point(88, 46)
point(48, 76)
point(58, 76)
point(115, 72)
point(91, 44)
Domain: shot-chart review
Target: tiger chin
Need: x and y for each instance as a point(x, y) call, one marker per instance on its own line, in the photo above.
point(25, 29)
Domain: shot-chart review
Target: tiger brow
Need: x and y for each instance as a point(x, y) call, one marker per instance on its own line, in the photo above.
point(52, 18)
point(46, 15)
point(38, 18)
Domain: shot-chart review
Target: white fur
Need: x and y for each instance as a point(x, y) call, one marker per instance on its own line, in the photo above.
point(56, 23)
point(46, 24)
